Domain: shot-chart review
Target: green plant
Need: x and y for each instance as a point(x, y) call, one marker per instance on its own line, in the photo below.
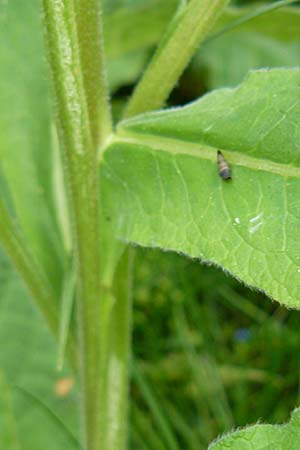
point(150, 180)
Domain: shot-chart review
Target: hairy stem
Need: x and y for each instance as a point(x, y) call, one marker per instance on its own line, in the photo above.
point(90, 39)
point(80, 170)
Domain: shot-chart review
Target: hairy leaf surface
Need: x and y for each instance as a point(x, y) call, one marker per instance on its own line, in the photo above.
point(161, 181)
point(263, 437)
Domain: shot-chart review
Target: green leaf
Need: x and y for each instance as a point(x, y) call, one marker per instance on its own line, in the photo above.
point(229, 59)
point(28, 363)
point(281, 23)
point(137, 27)
point(8, 429)
point(125, 69)
point(263, 41)
point(163, 190)
point(25, 149)
point(263, 437)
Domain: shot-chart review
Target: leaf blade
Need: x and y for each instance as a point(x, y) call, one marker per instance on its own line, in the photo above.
point(166, 191)
point(263, 437)
point(25, 148)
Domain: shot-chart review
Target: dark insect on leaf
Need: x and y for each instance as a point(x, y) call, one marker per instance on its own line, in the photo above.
point(223, 167)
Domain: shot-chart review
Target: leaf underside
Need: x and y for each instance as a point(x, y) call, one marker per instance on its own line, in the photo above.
point(162, 188)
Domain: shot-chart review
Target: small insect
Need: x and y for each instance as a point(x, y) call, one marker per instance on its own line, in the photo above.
point(224, 170)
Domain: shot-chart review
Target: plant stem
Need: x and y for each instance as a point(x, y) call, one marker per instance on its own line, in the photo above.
point(177, 47)
point(81, 175)
point(115, 345)
point(115, 360)
point(90, 40)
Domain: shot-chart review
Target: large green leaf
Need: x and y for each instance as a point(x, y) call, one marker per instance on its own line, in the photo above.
point(25, 139)
point(35, 412)
point(263, 437)
point(162, 188)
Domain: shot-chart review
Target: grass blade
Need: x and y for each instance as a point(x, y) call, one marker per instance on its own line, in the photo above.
point(159, 417)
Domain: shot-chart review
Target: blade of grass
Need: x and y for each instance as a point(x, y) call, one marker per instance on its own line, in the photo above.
point(232, 375)
point(80, 170)
point(230, 296)
point(138, 440)
point(190, 436)
point(147, 433)
point(158, 415)
point(91, 48)
point(206, 375)
point(172, 56)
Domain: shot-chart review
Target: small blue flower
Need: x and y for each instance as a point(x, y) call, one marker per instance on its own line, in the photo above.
point(242, 335)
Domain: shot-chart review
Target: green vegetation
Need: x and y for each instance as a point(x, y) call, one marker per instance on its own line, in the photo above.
point(125, 258)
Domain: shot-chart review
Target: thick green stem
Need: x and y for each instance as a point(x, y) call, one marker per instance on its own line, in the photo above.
point(90, 39)
point(80, 169)
point(178, 46)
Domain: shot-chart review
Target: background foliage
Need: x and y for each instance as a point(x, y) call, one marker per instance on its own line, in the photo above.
point(209, 354)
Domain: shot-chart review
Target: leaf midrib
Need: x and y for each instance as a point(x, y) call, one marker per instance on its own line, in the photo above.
point(178, 146)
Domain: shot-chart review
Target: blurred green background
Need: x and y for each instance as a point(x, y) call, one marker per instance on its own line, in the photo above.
point(209, 354)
